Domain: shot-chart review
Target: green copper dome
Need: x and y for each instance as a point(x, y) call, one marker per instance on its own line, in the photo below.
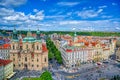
point(29, 39)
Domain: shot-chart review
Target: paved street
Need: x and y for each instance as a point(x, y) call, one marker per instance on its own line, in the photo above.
point(25, 73)
point(85, 72)
point(90, 72)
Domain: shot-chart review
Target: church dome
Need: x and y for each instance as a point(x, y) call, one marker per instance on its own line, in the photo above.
point(29, 39)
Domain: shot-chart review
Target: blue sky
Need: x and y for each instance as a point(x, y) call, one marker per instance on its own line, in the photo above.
point(61, 15)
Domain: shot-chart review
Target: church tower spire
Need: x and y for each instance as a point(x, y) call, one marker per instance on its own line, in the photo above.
point(14, 35)
point(29, 34)
point(38, 34)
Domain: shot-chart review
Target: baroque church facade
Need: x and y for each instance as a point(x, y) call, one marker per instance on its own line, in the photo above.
point(28, 53)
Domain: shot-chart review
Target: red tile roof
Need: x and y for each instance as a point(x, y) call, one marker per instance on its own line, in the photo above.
point(5, 46)
point(44, 48)
point(68, 50)
point(5, 62)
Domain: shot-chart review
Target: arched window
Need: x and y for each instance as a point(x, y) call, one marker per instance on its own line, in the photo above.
point(45, 59)
point(14, 65)
point(25, 58)
point(37, 47)
point(13, 47)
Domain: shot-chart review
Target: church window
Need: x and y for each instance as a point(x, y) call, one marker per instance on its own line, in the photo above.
point(27, 46)
point(13, 59)
point(25, 58)
point(13, 47)
point(14, 65)
point(19, 65)
point(45, 59)
point(37, 60)
point(37, 65)
point(37, 47)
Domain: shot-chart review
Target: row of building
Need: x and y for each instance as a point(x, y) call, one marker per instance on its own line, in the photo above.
point(81, 49)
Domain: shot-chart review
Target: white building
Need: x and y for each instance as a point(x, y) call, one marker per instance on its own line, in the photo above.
point(82, 49)
point(1, 72)
point(4, 51)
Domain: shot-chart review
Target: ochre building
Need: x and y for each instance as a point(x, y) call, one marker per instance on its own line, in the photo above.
point(28, 53)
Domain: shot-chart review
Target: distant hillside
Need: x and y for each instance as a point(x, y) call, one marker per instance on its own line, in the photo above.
point(69, 32)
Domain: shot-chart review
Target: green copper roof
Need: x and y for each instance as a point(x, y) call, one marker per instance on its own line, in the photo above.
point(15, 40)
point(14, 31)
point(69, 47)
point(38, 32)
point(29, 39)
point(37, 40)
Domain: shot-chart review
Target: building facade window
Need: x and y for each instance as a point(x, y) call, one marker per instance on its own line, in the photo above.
point(19, 65)
point(37, 60)
point(37, 65)
point(13, 47)
point(14, 65)
point(13, 59)
point(45, 59)
point(21, 47)
point(25, 58)
point(27, 46)
point(37, 47)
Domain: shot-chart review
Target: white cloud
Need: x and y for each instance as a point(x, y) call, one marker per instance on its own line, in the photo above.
point(9, 17)
point(104, 6)
point(99, 25)
point(100, 10)
point(114, 4)
point(5, 12)
point(38, 16)
point(55, 16)
point(89, 13)
point(35, 10)
point(68, 3)
point(16, 16)
point(44, 0)
point(106, 16)
point(12, 3)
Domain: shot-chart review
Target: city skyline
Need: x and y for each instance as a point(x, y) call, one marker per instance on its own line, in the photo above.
point(60, 15)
